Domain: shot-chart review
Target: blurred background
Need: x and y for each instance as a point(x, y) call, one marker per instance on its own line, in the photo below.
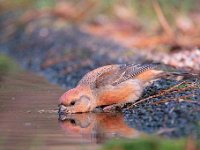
point(143, 24)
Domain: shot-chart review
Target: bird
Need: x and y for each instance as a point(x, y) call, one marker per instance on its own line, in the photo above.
point(109, 85)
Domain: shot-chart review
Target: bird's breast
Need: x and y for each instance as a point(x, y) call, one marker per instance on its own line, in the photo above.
point(118, 94)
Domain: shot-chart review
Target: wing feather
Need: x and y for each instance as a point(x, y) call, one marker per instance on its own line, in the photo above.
point(114, 74)
point(134, 70)
point(100, 76)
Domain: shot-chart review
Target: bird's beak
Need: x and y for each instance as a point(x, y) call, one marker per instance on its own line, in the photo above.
point(62, 109)
point(65, 109)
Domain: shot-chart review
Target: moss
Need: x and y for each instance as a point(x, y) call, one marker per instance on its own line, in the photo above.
point(44, 3)
point(147, 143)
point(7, 65)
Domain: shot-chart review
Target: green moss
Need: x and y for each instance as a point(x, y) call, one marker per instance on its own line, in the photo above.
point(147, 143)
point(44, 3)
point(7, 65)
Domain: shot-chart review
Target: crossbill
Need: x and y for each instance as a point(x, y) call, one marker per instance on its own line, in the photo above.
point(108, 85)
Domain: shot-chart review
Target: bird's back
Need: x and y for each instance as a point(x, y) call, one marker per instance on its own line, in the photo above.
point(116, 74)
point(91, 77)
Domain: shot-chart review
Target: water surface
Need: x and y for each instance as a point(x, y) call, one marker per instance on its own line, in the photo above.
point(29, 119)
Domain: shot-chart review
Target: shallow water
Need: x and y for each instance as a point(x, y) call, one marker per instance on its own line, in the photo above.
point(29, 119)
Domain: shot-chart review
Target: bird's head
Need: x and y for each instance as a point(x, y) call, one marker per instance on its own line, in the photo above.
point(77, 100)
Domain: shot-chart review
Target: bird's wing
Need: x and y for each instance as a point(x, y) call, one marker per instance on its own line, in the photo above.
point(120, 74)
point(114, 74)
point(133, 71)
point(100, 75)
point(110, 76)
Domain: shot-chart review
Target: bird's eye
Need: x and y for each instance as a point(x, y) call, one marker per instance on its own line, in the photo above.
point(72, 121)
point(72, 103)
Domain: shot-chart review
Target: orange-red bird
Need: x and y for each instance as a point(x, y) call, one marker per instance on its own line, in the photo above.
point(107, 85)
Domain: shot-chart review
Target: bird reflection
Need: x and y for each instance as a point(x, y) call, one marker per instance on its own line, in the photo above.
point(97, 127)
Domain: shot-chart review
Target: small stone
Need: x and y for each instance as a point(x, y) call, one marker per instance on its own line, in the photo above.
point(41, 111)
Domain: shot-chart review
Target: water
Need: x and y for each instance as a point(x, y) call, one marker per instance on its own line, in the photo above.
point(29, 119)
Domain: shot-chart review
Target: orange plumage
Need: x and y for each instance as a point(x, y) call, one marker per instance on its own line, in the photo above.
point(107, 85)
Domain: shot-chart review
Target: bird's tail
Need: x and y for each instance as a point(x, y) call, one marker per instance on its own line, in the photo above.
point(178, 75)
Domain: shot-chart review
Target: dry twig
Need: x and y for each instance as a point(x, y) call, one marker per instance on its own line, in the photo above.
point(162, 19)
point(179, 99)
point(172, 89)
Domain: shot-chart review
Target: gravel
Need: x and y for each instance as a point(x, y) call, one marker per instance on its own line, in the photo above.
point(181, 116)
